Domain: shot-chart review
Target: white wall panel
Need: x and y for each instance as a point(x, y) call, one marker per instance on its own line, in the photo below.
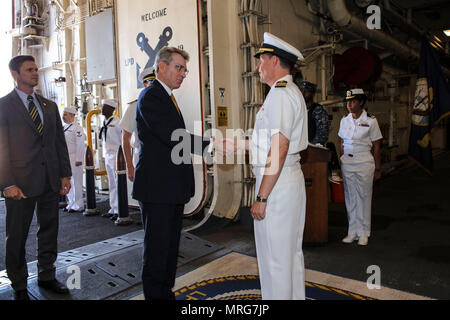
point(143, 28)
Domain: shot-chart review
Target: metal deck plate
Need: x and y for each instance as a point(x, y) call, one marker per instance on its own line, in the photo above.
point(193, 247)
point(107, 267)
point(95, 284)
point(126, 265)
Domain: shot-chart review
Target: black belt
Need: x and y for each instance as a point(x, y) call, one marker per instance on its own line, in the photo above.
point(350, 155)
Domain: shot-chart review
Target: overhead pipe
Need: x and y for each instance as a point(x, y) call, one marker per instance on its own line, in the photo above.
point(345, 19)
point(56, 2)
point(403, 23)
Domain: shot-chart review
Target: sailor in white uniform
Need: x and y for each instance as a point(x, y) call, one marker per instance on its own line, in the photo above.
point(111, 134)
point(75, 140)
point(280, 133)
point(360, 164)
point(130, 141)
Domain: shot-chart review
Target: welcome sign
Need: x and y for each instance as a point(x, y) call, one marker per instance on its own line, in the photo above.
point(143, 28)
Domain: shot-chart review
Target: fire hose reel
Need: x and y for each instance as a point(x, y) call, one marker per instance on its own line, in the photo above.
point(356, 67)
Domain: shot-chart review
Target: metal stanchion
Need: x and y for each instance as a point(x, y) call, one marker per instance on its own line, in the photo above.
point(122, 190)
point(91, 203)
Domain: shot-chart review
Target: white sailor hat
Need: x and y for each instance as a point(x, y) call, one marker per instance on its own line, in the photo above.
point(70, 110)
point(355, 94)
point(280, 48)
point(147, 74)
point(110, 102)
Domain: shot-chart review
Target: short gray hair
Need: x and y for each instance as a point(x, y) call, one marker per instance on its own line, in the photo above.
point(165, 55)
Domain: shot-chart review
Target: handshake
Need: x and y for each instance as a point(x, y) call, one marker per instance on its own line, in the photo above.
point(227, 146)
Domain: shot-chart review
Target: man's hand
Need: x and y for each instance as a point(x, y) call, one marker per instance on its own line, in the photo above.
point(65, 186)
point(258, 210)
point(14, 193)
point(130, 172)
point(241, 144)
point(377, 176)
point(224, 146)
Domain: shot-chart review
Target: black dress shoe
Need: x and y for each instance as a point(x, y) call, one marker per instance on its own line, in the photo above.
point(21, 295)
point(54, 286)
point(114, 217)
point(107, 215)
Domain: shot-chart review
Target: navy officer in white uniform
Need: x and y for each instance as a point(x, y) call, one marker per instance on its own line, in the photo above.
point(130, 140)
point(360, 164)
point(280, 133)
point(75, 139)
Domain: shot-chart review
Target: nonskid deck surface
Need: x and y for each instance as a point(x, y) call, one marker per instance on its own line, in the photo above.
point(102, 270)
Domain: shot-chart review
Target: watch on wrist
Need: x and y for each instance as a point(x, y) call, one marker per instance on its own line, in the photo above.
point(259, 199)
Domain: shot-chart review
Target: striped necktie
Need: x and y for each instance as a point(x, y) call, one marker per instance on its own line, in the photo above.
point(176, 104)
point(34, 114)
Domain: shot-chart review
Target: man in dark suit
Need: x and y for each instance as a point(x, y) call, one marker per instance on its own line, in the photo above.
point(162, 184)
point(34, 171)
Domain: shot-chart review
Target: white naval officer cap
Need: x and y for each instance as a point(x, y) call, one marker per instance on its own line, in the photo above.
point(70, 110)
point(280, 48)
point(147, 74)
point(110, 102)
point(355, 93)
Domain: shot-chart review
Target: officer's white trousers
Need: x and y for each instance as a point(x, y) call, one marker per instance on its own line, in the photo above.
point(358, 185)
point(279, 238)
point(75, 199)
point(131, 201)
point(110, 164)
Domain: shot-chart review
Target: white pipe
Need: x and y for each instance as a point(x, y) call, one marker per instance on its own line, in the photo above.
point(59, 5)
point(330, 102)
point(323, 75)
point(343, 18)
point(391, 126)
point(324, 46)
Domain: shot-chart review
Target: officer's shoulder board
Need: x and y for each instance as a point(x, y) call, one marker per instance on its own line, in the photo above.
point(371, 116)
point(132, 101)
point(281, 84)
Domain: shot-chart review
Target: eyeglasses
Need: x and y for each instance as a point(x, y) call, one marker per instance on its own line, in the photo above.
point(181, 68)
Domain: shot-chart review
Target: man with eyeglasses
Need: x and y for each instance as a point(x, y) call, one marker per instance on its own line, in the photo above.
point(161, 186)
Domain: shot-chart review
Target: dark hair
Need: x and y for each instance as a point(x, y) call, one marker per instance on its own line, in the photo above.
point(361, 98)
point(16, 63)
point(284, 63)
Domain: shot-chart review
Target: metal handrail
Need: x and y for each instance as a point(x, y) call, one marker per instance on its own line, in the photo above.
point(89, 136)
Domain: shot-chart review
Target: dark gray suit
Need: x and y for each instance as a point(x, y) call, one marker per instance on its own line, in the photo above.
point(36, 165)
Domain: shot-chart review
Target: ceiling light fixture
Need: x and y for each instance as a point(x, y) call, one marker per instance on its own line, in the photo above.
point(447, 32)
point(437, 39)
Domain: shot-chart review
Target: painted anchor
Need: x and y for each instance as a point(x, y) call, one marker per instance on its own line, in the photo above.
point(142, 42)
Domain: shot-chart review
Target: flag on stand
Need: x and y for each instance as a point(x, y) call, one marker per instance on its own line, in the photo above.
point(431, 105)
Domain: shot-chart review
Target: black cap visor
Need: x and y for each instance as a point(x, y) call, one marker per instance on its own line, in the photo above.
point(267, 48)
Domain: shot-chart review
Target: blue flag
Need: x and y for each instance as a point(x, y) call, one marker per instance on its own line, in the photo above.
point(431, 105)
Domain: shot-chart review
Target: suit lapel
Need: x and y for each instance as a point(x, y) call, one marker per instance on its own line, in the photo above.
point(23, 111)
